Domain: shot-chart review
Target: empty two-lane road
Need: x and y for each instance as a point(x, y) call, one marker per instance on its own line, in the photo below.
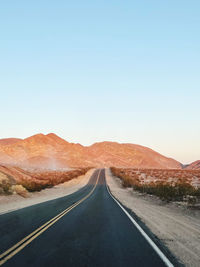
point(87, 228)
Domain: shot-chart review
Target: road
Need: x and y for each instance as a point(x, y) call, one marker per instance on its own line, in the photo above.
point(90, 230)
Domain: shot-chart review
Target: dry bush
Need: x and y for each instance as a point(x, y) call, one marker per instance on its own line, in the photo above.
point(5, 184)
point(169, 185)
point(20, 190)
point(48, 179)
point(191, 200)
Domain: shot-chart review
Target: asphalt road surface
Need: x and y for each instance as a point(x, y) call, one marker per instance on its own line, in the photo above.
point(86, 228)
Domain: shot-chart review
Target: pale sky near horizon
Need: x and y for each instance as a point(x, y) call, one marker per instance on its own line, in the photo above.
point(126, 71)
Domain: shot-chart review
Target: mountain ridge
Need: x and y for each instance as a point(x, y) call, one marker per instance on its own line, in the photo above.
point(194, 165)
point(8, 141)
point(52, 151)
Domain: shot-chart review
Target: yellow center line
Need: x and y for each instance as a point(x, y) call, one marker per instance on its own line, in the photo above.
point(28, 239)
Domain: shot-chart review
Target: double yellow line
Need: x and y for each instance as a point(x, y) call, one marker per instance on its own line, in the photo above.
point(8, 254)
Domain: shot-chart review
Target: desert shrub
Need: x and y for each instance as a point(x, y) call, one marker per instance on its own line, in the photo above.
point(33, 186)
point(169, 185)
point(5, 184)
point(197, 193)
point(20, 190)
point(127, 182)
point(191, 200)
point(49, 179)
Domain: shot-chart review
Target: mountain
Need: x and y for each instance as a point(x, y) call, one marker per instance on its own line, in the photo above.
point(9, 141)
point(194, 165)
point(52, 152)
point(130, 155)
point(42, 151)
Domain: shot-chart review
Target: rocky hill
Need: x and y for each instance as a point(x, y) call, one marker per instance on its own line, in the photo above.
point(52, 152)
point(9, 141)
point(194, 165)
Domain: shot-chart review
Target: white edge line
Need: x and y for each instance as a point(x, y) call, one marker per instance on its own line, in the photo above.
point(153, 245)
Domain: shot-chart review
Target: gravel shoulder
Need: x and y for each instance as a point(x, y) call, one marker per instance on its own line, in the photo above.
point(177, 227)
point(14, 202)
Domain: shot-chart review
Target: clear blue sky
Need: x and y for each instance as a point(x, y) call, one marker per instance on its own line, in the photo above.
point(126, 71)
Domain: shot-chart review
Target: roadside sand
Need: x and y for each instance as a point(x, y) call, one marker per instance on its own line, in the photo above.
point(14, 202)
point(177, 227)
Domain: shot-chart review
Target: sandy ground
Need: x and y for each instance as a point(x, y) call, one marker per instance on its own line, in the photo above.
point(13, 202)
point(177, 227)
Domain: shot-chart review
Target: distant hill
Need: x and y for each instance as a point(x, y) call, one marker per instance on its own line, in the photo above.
point(52, 152)
point(8, 141)
point(194, 165)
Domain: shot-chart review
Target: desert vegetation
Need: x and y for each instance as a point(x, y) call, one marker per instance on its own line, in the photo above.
point(14, 180)
point(8, 186)
point(46, 179)
point(167, 184)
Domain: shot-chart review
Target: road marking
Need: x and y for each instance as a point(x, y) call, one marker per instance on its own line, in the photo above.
point(28, 239)
point(152, 244)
